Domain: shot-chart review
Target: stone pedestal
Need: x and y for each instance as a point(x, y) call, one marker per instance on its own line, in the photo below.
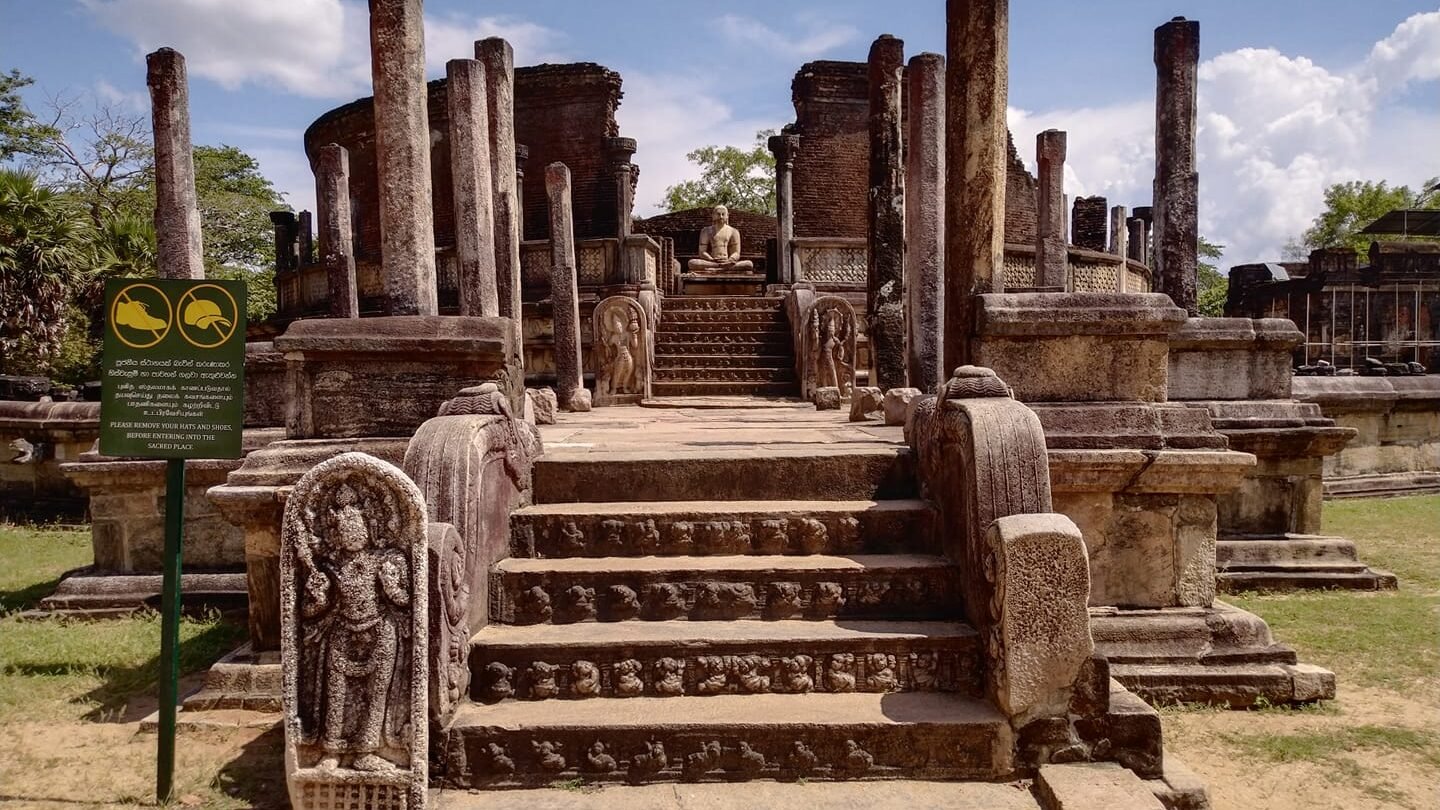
point(1238, 370)
point(350, 378)
point(36, 440)
point(1397, 449)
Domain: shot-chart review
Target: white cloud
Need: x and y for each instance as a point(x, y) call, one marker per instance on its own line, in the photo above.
point(1273, 132)
point(659, 111)
point(134, 101)
point(816, 37)
point(316, 48)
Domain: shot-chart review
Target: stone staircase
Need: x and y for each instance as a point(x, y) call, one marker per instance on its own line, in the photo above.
point(724, 345)
point(636, 637)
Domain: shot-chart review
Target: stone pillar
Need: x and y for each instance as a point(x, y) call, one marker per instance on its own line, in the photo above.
point(886, 271)
point(1135, 239)
point(305, 237)
point(1119, 237)
point(784, 147)
point(1051, 257)
point(925, 221)
point(564, 292)
point(285, 234)
point(1177, 184)
point(1147, 222)
point(522, 154)
point(402, 156)
point(178, 249)
point(332, 198)
point(621, 151)
point(976, 78)
point(1087, 223)
point(499, 61)
point(475, 267)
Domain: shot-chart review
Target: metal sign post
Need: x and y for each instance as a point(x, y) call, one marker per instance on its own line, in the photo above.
point(173, 388)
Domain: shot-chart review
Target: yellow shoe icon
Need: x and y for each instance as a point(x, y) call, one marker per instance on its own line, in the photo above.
point(136, 315)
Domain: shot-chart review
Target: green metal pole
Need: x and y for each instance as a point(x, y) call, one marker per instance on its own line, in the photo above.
point(170, 627)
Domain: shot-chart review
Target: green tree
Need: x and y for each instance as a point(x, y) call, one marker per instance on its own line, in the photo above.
point(19, 131)
point(43, 257)
point(1349, 207)
point(101, 156)
point(1212, 285)
point(235, 202)
point(742, 179)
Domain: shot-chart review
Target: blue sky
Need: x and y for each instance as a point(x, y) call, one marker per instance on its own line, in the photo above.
point(1294, 95)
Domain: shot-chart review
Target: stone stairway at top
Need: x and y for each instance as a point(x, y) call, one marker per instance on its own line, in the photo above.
point(724, 344)
point(639, 634)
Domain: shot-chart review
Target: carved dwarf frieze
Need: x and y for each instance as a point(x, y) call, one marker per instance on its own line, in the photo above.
point(355, 635)
point(624, 347)
point(592, 536)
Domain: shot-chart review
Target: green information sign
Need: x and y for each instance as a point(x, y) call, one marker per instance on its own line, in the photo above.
point(174, 368)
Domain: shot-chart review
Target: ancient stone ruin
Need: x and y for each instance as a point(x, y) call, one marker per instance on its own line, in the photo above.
point(488, 537)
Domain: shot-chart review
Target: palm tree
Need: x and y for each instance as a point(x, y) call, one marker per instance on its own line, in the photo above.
point(44, 253)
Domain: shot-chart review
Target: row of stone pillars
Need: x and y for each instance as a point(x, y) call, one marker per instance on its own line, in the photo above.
point(936, 214)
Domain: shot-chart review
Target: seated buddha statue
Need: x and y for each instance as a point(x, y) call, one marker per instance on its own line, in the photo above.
point(720, 247)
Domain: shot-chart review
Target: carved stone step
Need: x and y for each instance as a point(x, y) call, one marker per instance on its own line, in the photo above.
point(786, 375)
point(748, 349)
point(677, 361)
point(669, 659)
point(703, 388)
point(612, 589)
point(692, 303)
point(741, 338)
point(706, 318)
point(727, 474)
point(726, 738)
point(1294, 548)
point(672, 528)
point(1302, 577)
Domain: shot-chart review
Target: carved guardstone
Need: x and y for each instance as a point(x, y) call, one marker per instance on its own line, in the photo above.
point(622, 345)
point(354, 644)
point(827, 357)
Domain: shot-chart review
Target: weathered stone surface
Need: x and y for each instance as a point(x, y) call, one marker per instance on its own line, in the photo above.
point(784, 147)
point(827, 398)
point(824, 330)
point(1136, 240)
point(499, 60)
point(1087, 223)
point(879, 795)
point(866, 403)
point(36, 439)
point(1180, 788)
point(332, 198)
point(475, 267)
point(897, 404)
point(1051, 252)
point(623, 343)
point(354, 589)
point(925, 221)
point(402, 152)
point(1177, 184)
point(1397, 449)
point(977, 50)
point(1078, 347)
point(545, 404)
point(564, 296)
point(1090, 786)
point(339, 369)
point(885, 271)
point(1232, 358)
point(179, 251)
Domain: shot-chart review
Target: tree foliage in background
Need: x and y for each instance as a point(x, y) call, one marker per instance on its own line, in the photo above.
point(1212, 286)
point(90, 173)
point(1350, 207)
point(739, 179)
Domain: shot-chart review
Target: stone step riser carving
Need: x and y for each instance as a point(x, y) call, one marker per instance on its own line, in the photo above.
point(876, 665)
point(706, 388)
point(568, 597)
point(784, 375)
point(759, 361)
point(727, 338)
point(699, 303)
point(678, 331)
point(495, 758)
point(643, 534)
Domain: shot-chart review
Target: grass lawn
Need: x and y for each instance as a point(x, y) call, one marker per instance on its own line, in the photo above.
point(71, 693)
point(1378, 744)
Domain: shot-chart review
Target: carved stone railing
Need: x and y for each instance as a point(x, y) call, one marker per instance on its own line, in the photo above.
point(1025, 579)
point(472, 463)
point(1090, 271)
point(830, 263)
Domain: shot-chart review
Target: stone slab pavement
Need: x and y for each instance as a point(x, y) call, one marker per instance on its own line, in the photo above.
point(753, 795)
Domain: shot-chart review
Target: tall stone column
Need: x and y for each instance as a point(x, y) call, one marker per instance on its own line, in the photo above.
point(305, 224)
point(522, 155)
point(474, 193)
point(402, 156)
point(621, 151)
point(332, 201)
point(499, 61)
point(1146, 250)
point(179, 252)
point(564, 292)
point(976, 82)
point(1135, 239)
point(1177, 184)
point(886, 271)
point(925, 221)
point(1051, 255)
point(1119, 237)
point(784, 147)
